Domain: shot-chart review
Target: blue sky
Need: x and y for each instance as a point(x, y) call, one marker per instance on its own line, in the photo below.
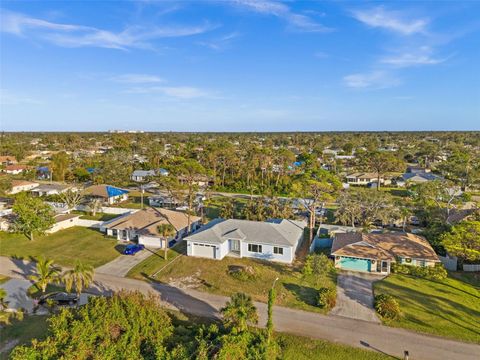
point(240, 65)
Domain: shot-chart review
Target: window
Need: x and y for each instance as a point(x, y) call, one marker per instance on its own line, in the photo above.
point(408, 260)
point(278, 250)
point(255, 248)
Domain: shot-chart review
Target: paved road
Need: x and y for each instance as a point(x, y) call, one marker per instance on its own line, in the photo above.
point(355, 296)
point(352, 332)
point(121, 265)
point(17, 298)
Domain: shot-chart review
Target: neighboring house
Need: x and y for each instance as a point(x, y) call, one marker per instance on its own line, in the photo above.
point(143, 175)
point(7, 160)
point(420, 177)
point(143, 226)
point(50, 189)
point(15, 169)
point(22, 185)
point(376, 252)
point(63, 221)
point(43, 173)
point(365, 179)
point(165, 201)
point(199, 180)
point(109, 194)
point(275, 240)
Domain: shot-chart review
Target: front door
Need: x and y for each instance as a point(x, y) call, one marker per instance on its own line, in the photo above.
point(384, 266)
point(235, 245)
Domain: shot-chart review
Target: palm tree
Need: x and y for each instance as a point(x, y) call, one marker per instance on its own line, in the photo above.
point(239, 312)
point(47, 273)
point(80, 277)
point(166, 230)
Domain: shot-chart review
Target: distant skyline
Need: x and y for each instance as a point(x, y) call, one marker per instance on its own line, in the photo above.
point(240, 65)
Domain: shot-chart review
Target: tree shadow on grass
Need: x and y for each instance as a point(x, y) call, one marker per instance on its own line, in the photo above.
point(305, 294)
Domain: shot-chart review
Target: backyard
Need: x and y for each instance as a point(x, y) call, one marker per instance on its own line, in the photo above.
point(64, 247)
point(215, 276)
point(448, 308)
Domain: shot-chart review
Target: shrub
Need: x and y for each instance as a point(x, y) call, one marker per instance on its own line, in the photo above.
point(387, 307)
point(436, 272)
point(243, 273)
point(327, 298)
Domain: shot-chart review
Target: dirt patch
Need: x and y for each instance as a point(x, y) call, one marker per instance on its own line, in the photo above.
point(187, 282)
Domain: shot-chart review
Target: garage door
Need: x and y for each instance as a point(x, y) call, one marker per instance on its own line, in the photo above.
point(355, 264)
point(204, 250)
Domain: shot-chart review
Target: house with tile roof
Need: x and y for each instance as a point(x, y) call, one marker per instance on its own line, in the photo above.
point(22, 185)
point(275, 240)
point(376, 252)
point(142, 226)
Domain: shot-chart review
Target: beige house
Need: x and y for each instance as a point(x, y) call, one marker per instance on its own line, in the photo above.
point(360, 178)
point(376, 252)
point(143, 226)
point(64, 221)
point(108, 194)
point(22, 185)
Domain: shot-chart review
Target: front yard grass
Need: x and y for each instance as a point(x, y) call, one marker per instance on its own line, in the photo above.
point(213, 276)
point(301, 348)
point(65, 246)
point(21, 332)
point(449, 308)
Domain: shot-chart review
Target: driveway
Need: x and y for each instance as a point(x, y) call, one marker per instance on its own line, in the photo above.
point(355, 296)
point(122, 264)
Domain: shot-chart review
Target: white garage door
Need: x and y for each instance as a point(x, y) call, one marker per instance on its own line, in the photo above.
point(204, 250)
point(150, 241)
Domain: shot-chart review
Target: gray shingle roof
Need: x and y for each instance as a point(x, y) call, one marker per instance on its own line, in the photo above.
point(273, 232)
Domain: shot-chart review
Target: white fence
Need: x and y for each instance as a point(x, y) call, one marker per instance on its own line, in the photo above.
point(471, 267)
point(450, 263)
point(89, 223)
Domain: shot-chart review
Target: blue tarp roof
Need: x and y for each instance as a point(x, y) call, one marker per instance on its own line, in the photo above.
point(43, 169)
point(113, 191)
point(91, 170)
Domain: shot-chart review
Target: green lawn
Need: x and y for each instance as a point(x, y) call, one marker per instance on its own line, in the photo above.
point(449, 308)
point(64, 247)
point(301, 348)
point(32, 326)
point(213, 276)
point(98, 216)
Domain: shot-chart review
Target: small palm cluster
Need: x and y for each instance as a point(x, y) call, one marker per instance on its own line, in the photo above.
point(80, 277)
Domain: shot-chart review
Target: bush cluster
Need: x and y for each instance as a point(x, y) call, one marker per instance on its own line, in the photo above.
point(327, 297)
point(387, 307)
point(437, 272)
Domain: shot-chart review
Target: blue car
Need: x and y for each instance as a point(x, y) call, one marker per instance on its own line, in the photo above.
point(132, 249)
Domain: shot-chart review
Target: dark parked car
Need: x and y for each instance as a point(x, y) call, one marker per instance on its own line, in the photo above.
point(61, 298)
point(132, 249)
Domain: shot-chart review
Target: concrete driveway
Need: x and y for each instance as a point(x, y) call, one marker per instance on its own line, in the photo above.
point(122, 264)
point(355, 296)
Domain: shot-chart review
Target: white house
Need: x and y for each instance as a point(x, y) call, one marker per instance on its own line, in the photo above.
point(15, 169)
point(143, 226)
point(365, 179)
point(64, 221)
point(50, 189)
point(143, 175)
point(22, 185)
point(275, 240)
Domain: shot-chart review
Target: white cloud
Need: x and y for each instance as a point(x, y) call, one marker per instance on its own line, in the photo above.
point(395, 21)
point(178, 92)
point(422, 56)
point(371, 80)
point(220, 43)
point(9, 98)
point(68, 35)
point(137, 79)
point(280, 10)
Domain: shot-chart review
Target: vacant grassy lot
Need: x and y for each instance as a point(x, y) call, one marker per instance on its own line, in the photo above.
point(64, 247)
point(449, 308)
point(300, 348)
point(213, 276)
